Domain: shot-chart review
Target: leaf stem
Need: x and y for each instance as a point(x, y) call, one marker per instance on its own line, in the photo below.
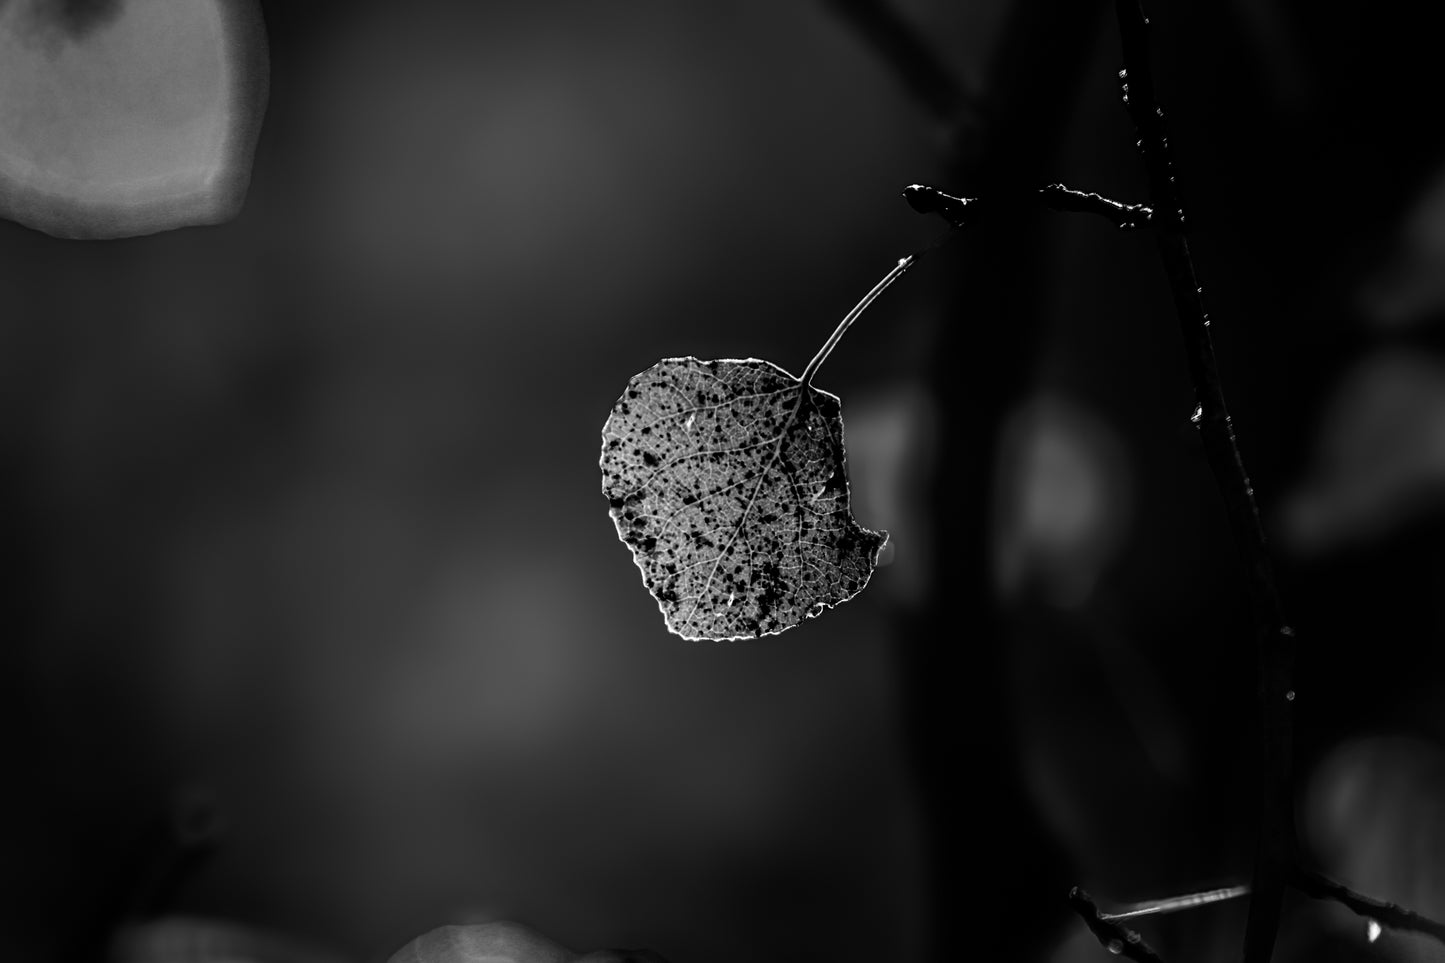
point(898, 271)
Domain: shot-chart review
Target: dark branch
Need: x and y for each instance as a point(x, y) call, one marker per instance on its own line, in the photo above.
point(957, 211)
point(930, 200)
point(1115, 937)
point(1276, 841)
point(1137, 88)
point(1124, 216)
point(1396, 917)
point(913, 62)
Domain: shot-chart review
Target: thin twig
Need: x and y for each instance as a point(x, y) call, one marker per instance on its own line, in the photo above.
point(1126, 217)
point(930, 200)
point(1319, 886)
point(958, 211)
point(914, 63)
point(1174, 904)
point(1115, 937)
point(1276, 842)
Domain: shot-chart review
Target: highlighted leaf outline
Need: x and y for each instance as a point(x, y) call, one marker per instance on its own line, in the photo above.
point(813, 422)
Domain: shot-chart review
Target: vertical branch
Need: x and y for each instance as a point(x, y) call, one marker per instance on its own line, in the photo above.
point(1275, 639)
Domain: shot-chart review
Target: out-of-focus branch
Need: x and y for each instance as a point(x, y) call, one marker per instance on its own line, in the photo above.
point(958, 211)
point(1175, 904)
point(1002, 138)
point(1396, 917)
point(913, 62)
point(1113, 936)
point(1110, 931)
point(1275, 639)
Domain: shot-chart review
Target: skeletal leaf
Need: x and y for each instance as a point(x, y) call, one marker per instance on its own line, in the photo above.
point(727, 480)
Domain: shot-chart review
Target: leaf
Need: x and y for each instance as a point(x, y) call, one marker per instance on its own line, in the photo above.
point(728, 481)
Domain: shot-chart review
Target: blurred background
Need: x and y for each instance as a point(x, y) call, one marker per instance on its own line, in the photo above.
point(319, 627)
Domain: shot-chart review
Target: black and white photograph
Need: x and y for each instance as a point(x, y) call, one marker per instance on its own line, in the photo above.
point(769, 481)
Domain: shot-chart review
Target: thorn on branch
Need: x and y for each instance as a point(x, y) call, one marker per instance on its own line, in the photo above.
point(1396, 917)
point(1114, 937)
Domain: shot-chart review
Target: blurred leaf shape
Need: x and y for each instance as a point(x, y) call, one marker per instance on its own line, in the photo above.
point(184, 939)
point(728, 481)
point(138, 118)
point(503, 942)
point(1380, 455)
point(1409, 288)
point(892, 445)
point(1064, 491)
point(1375, 819)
